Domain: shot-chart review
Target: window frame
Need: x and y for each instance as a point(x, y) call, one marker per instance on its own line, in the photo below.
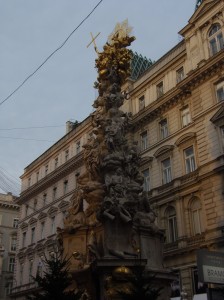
point(12, 263)
point(166, 171)
point(160, 89)
point(33, 233)
point(15, 223)
point(146, 183)
point(144, 142)
point(141, 102)
point(163, 133)
point(215, 39)
point(219, 86)
point(13, 243)
point(189, 166)
point(185, 116)
point(180, 74)
point(172, 230)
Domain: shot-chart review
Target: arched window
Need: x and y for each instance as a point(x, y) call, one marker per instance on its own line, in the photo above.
point(196, 216)
point(215, 39)
point(171, 224)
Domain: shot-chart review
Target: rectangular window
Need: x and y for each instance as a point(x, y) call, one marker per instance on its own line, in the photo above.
point(46, 169)
point(141, 102)
point(11, 264)
point(44, 199)
point(42, 228)
point(37, 176)
point(166, 171)
point(8, 288)
point(15, 223)
point(32, 235)
point(163, 128)
point(144, 140)
point(159, 90)
point(190, 165)
point(65, 186)
point(56, 163)
point(146, 183)
point(78, 147)
point(26, 210)
point(13, 243)
point(21, 274)
point(30, 271)
point(180, 74)
point(35, 205)
point(220, 91)
point(66, 155)
point(172, 224)
point(53, 225)
point(24, 239)
point(185, 116)
point(29, 182)
point(196, 221)
point(54, 193)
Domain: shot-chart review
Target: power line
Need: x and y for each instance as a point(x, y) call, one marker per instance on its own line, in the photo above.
point(27, 78)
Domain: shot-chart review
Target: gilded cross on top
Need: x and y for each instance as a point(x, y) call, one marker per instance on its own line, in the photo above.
point(93, 41)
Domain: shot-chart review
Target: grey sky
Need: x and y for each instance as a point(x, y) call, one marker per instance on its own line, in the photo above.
point(62, 89)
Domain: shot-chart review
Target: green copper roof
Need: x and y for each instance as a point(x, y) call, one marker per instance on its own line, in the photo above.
point(198, 3)
point(138, 65)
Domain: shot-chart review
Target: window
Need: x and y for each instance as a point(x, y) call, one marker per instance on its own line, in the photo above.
point(30, 270)
point(40, 269)
point(159, 89)
point(42, 228)
point(29, 182)
point(166, 171)
point(21, 274)
point(222, 136)
point(13, 243)
point(220, 91)
point(215, 39)
point(24, 239)
point(11, 264)
point(44, 199)
point(46, 169)
point(37, 176)
point(65, 186)
point(144, 140)
point(26, 210)
point(1, 220)
point(78, 147)
point(66, 155)
point(171, 225)
point(56, 163)
point(8, 288)
point(54, 193)
point(185, 116)
point(180, 74)
point(146, 183)
point(35, 205)
point(53, 225)
point(15, 223)
point(190, 165)
point(196, 216)
point(163, 128)
point(32, 235)
point(141, 102)
point(199, 287)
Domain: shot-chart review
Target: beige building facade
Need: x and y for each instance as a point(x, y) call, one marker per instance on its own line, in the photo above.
point(178, 121)
point(9, 217)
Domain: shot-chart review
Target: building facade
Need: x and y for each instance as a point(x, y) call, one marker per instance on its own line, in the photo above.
point(9, 217)
point(178, 121)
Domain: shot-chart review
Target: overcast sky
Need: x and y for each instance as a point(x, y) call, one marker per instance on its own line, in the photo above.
point(62, 90)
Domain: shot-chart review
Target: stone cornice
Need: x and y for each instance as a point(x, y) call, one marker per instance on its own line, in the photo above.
point(10, 205)
point(51, 178)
